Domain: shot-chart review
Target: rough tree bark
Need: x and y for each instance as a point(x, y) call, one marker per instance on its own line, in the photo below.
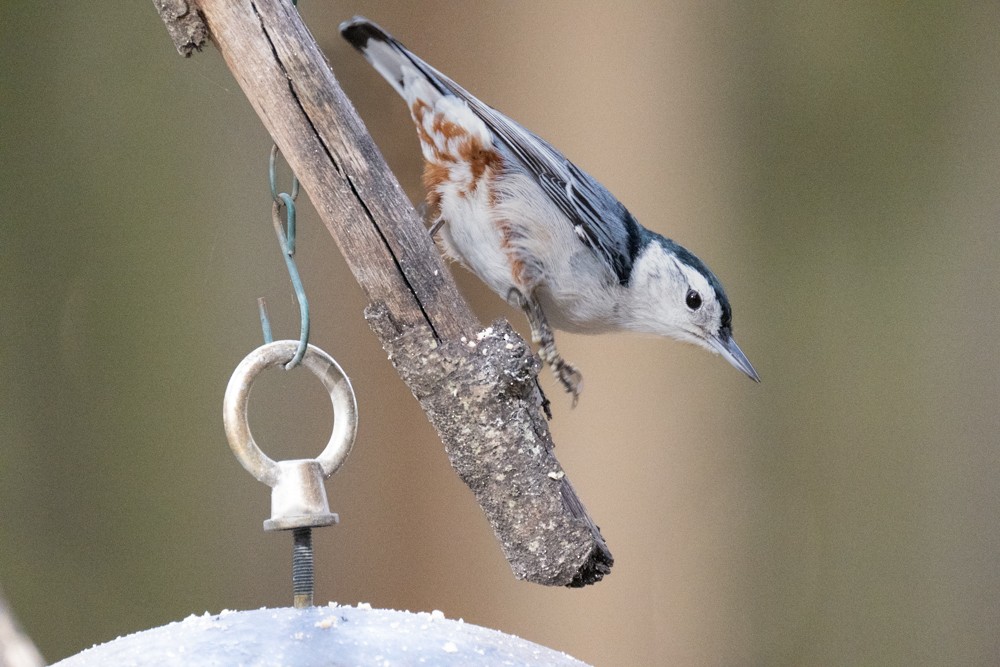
point(477, 385)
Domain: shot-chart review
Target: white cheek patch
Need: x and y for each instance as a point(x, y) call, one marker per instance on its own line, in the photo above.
point(656, 292)
point(708, 315)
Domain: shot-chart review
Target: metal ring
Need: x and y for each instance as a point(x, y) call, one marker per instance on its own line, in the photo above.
point(234, 408)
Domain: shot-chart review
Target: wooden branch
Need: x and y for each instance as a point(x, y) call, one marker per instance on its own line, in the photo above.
point(185, 25)
point(478, 387)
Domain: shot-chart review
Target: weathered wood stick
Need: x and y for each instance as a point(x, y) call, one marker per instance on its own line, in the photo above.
point(477, 386)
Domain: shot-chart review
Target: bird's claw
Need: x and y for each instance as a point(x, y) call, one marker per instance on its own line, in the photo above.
point(541, 334)
point(569, 377)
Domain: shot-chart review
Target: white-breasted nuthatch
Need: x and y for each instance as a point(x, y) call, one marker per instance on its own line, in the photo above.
point(541, 232)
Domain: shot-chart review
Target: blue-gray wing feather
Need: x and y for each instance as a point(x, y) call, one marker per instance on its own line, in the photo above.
point(601, 222)
point(599, 219)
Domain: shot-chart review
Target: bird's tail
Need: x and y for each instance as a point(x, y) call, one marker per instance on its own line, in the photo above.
point(390, 58)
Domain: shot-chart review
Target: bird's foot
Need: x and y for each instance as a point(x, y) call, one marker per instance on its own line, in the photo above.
point(541, 334)
point(569, 377)
point(435, 227)
point(430, 215)
point(544, 401)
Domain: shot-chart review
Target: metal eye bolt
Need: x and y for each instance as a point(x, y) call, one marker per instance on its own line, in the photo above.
point(298, 497)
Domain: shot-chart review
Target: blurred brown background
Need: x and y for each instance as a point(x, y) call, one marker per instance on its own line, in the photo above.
point(837, 166)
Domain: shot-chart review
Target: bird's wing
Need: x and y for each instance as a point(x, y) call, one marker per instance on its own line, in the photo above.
point(602, 223)
point(599, 219)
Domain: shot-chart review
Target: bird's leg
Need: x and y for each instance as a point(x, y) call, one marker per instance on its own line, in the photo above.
point(436, 226)
point(425, 212)
point(541, 335)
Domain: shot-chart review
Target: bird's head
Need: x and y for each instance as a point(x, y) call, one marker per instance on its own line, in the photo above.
point(673, 293)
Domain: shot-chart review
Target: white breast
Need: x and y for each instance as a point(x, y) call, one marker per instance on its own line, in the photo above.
point(515, 237)
point(472, 236)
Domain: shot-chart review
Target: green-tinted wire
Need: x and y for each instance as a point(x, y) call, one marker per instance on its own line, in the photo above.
point(272, 177)
point(265, 321)
point(286, 238)
point(287, 241)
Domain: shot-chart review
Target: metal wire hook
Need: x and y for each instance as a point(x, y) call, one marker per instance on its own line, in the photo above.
point(271, 171)
point(286, 239)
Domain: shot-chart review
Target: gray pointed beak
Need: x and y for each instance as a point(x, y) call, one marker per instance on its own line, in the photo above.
point(727, 347)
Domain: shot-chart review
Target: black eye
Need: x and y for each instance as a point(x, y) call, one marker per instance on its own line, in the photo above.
point(693, 300)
